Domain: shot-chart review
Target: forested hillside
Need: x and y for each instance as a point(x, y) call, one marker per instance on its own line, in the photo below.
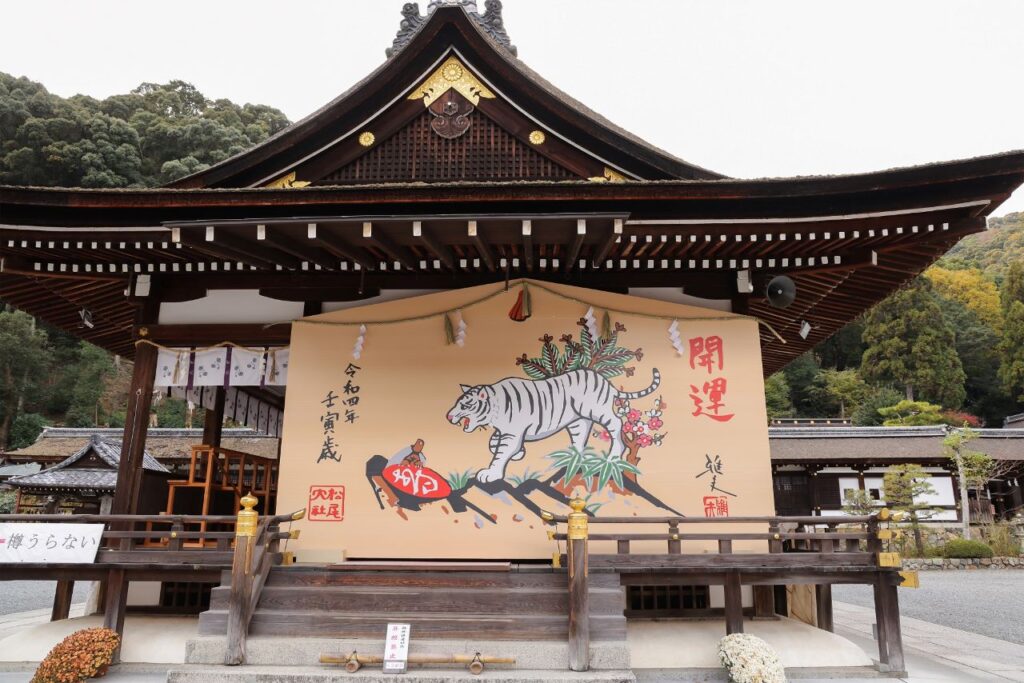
point(150, 136)
point(949, 348)
point(954, 339)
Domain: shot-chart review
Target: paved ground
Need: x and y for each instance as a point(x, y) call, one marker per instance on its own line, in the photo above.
point(23, 596)
point(985, 601)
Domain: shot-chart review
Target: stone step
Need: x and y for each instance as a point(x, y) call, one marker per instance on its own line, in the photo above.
point(261, 674)
point(318, 576)
point(430, 624)
point(392, 599)
point(268, 651)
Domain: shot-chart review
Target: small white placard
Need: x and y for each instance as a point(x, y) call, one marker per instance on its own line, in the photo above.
point(43, 542)
point(396, 649)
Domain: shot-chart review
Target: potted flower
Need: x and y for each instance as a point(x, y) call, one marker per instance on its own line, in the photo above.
point(83, 655)
point(748, 659)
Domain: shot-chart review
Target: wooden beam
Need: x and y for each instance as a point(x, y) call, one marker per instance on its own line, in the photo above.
point(393, 251)
point(300, 251)
point(441, 252)
point(577, 244)
point(486, 252)
point(251, 249)
point(334, 245)
point(528, 245)
point(198, 335)
point(733, 603)
point(609, 243)
point(222, 253)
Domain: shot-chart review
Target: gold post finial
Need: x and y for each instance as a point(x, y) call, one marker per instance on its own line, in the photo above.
point(579, 521)
point(247, 516)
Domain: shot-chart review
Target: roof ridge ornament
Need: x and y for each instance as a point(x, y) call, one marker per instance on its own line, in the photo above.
point(491, 22)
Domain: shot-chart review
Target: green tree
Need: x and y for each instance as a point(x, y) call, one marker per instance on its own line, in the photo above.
point(1011, 346)
point(24, 362)
point(776, 396)
point(866, 414)
point(858, 503)
point(96, 365)
point(912, 414)
point(800, 376)
point(911, 344)
point(967, 463)
point(26, 429)
point(905, 488)
point(842, 390)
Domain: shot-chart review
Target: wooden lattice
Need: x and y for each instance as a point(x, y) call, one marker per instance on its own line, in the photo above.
point(417, 154)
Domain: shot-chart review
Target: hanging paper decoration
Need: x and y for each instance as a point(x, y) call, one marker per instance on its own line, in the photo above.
point(360, 341)
point(523, 308)
point(460, 330)
point(673, 335)
point(591, 323)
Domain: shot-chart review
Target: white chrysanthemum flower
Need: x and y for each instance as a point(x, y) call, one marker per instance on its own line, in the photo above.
point(748, 659)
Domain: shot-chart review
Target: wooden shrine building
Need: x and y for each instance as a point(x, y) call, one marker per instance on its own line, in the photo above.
point(454, 219)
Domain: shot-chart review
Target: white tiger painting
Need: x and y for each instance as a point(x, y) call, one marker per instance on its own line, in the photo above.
point(522, 410)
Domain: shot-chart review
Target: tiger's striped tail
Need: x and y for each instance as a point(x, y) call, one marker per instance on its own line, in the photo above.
point(633, 395)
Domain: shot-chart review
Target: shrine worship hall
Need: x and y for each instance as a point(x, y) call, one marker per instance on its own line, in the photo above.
point(514, 356)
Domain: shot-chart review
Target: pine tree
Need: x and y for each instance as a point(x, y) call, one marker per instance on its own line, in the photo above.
point(910, 343)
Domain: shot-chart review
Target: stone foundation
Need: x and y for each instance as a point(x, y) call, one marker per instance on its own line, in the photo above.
point(952, 563)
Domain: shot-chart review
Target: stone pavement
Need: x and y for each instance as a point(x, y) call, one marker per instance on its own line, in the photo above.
point(930, 648)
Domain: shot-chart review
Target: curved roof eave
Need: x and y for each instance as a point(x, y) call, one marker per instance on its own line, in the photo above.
point(436, 36)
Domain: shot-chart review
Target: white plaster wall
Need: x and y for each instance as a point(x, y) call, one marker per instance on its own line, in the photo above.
point(230, 306)
point(144, 593)
point(678, 296)
point(385, 295)
point(716, 596)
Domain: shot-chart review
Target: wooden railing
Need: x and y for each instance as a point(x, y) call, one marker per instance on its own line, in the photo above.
point(169, 548)
point(256, 551)
point(848, 550)
point(223, 470)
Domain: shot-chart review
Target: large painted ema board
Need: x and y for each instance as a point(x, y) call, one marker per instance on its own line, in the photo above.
point(440, 427)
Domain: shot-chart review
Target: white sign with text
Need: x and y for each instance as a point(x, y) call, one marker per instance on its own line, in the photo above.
point(24, 542)
point(396, 649)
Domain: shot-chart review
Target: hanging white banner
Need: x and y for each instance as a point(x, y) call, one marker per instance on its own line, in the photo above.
point(208, 368)
point(246, 368)
point(35, 542)
point(171, 367)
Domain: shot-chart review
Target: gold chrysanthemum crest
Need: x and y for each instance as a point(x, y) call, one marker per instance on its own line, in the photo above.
point(452, 75)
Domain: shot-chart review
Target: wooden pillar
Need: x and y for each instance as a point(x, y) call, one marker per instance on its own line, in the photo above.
point(579, 592)
point(764, 602)
point(733, 603)
point(889, 608)
point(115, 605)
point(883, 650)
point(823, 601)
point(62, 600)
point(213, 420)
point(136, 423)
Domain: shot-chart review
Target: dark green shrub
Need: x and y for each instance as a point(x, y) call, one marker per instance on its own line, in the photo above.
point(961, 548)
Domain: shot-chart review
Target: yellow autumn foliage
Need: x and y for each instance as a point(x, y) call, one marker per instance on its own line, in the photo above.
point(971, 288)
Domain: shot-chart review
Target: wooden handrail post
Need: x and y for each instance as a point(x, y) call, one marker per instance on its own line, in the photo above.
point(241, 578)
point(579, 594)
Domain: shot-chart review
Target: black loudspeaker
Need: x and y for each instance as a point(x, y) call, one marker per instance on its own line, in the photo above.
point(781, 292)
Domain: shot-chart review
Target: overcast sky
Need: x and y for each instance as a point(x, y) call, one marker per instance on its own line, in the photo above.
point(748, 88)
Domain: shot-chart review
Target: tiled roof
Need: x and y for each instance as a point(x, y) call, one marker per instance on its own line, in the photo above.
point(162, 443)
point(885, 443)
point(63, 475)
